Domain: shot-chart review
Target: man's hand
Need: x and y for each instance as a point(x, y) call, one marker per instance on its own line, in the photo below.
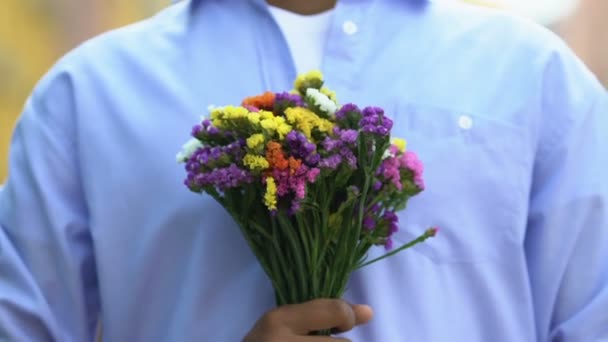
point(293, 323)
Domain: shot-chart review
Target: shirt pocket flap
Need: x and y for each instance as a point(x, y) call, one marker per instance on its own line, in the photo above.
point(475, 183)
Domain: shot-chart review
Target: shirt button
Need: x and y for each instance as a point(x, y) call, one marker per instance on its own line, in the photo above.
point(349, 27)
point(465, 122)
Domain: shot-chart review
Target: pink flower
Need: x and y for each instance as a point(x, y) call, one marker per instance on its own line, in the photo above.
point(312, 174)
point(394, 150)
point(300, 189)
point(251, 108)
point(410, 161)
point(390, 171)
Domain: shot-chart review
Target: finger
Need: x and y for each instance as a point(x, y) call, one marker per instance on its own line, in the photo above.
point(319, 314)
point(363, 314)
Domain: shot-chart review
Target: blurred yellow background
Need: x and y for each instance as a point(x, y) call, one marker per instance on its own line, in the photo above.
point(35, 33)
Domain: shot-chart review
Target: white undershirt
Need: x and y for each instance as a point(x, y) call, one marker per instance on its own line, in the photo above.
point(306, 36)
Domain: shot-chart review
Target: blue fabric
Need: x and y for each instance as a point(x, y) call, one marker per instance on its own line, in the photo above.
point(512, 128)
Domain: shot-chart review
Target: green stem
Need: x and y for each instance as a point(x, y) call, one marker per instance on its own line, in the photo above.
point(296, 252)
point(412, 243)
point(287, 274)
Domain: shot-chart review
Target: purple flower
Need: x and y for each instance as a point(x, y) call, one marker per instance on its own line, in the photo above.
point(312, 160)
point(224, 178)
point(375, 122)
point(349, 136)
point(285, 100)
point(388, 244)
point(375, 208)
point(209, 157)
point(345, 110)
point(381, 130)
point(369, 223)
point(369, 129)
point(215, 153)
point(390, 217)
point(373, 111)
point(393, 227)
point(349, 157)
point(387, 123)
point(330, 144)
point(192, 165)
point(332, 162)
point(371, 120)
point(377, 186)
point(196, 130)
point(302, 148)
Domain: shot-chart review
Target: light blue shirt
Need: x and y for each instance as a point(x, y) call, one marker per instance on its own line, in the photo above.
point(512, 128)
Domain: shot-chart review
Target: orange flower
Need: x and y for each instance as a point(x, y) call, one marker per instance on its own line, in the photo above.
point(294, 164)
point(264, 101)
point(275, 156)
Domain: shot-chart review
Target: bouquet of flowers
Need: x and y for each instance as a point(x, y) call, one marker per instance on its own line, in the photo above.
point(312, 185)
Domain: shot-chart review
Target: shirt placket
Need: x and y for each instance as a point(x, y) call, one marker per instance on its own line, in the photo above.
point(276, 63)
point(345, 43)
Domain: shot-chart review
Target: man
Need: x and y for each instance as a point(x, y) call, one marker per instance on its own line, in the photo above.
point(510, 125)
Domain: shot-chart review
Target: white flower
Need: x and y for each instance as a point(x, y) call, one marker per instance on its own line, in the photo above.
point(321, 100)
point(387, 154)
point(188, 150)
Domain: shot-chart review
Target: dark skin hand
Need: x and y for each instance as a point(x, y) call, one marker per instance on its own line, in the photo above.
point(304, 7)
point(293, 323)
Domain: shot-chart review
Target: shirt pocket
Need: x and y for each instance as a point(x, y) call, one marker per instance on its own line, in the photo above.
point(475, 174)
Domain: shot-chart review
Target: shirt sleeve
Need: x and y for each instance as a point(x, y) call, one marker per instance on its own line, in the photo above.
point(566, 242)
point(48, 284)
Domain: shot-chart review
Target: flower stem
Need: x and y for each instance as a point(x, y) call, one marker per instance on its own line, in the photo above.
point(427, 234)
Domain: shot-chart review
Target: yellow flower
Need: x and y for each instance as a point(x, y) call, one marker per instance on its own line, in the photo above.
point(269, 124)
point(216, 114)
point(312, 79)
point(329, 93)
point(283, 130)
point(254, 162)
point(254, 118)
point(265, 115)
point(270, 198)
point(325, 126)
point(400, 143)
point(233, 112)
point(306, 120)
point(255, 140)
point(219, 123)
